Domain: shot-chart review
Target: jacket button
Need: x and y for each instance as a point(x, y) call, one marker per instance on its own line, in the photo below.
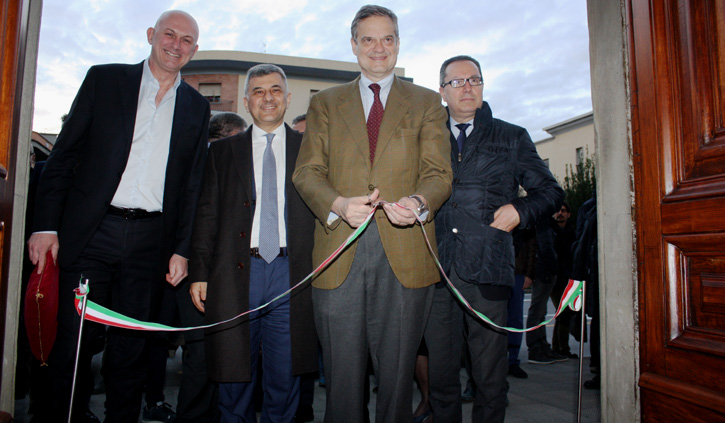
point(454, 205)
point(455, 230)
point(371, 187)
point(456, 181)
point(243, 234)
point(240, 265)
point(246, 204)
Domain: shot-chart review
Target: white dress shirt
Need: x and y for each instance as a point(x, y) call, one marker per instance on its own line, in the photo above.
point(455, 131)
point(142, 183)
point(367, 94)
point(259, 143)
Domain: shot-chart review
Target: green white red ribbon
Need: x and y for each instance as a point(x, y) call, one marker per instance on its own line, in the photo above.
point(99, 314)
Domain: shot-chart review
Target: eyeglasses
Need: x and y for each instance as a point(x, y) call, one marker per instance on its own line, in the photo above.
point(458, 83)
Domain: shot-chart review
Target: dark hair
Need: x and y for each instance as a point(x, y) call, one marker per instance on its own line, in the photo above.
point(566, 206)
point(225, 124)
point(372, 10)
point(299, 118)
point(263, 70)
point(461, 58)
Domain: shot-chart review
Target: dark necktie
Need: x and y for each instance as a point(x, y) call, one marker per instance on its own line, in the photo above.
point(374, 119)
point(268, 216)
point(461, 137)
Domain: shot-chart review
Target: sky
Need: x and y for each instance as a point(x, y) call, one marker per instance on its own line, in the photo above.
point(534, 54)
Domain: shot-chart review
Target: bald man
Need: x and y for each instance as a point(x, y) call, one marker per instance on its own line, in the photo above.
point(115, 204)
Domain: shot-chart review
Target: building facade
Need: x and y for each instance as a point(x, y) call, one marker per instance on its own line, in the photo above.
point(220, 77)
point(571, 142)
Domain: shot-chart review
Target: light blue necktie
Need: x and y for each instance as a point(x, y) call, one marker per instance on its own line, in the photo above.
point(268, 222)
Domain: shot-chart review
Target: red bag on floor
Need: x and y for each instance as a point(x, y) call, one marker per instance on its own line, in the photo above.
point(41, 309)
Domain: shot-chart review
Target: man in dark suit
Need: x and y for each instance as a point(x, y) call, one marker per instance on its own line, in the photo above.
point(375, 138)
point(491, 159)
point(116, 204)
point(252, 241)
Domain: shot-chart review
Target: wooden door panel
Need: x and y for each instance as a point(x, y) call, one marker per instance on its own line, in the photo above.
point(677, 82)
point(698, 33)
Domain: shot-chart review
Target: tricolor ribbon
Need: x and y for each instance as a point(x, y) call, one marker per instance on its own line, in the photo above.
point(99, 314)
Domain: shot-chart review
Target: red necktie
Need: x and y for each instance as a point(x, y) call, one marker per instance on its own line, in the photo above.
point(374, 119)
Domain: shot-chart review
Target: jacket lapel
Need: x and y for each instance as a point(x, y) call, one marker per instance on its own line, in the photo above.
point(130, 88)
point(181, 109)
point(352, 113)
point(243, 162)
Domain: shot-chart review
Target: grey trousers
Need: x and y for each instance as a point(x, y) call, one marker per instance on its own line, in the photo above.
point(371, 312)
point(488, 348)
point(540, 293)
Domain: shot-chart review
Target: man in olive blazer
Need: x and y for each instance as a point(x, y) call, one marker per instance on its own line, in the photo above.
point(375, 297)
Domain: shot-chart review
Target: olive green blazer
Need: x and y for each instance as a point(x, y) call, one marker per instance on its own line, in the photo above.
point(412, 157)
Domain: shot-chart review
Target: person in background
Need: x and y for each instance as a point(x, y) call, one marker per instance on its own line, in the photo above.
point(565, 237)
point(225, 124)
point(299, 123)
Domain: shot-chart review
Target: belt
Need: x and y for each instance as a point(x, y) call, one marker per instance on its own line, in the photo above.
point(132, 214)
point(254, 252)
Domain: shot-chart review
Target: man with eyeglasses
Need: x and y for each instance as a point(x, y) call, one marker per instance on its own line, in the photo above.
point(490, 159)
point(375, 138)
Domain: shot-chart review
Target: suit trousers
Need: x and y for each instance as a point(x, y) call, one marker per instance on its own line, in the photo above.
point(487, 347)
point(540, 293)
point(516, 320)
point(121, 264)
point(371, 312)
point(270, 328)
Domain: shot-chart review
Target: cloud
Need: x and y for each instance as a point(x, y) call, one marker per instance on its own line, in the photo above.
point(534, 54)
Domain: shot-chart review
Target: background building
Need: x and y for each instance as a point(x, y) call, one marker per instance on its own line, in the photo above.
point(570, 143)
point(220, 76)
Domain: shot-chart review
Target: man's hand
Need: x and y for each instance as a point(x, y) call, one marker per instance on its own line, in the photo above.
point(38, 246)
point(354, 210)
point(178, 269)
point(398, 215)
point(527, 282)
point(197, 290)
point(506, 218)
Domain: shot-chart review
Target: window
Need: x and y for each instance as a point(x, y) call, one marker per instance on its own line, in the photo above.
point(212, 92)
point(579, 156)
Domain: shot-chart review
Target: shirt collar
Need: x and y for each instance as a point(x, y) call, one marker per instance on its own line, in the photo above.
point(148, 77)
point(384, 83)
point(259, 133)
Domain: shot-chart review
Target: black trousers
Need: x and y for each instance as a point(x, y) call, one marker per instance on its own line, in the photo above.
point(121, 263)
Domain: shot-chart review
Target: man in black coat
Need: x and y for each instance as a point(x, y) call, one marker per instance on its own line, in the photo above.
point(230, 271)
point(490, 159)
point(116, 204)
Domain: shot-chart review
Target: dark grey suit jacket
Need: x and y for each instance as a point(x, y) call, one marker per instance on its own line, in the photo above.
point(220, 256)
point(84, 169)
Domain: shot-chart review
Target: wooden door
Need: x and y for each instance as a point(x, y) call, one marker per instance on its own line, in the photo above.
point(13, 30)
point(677, 76)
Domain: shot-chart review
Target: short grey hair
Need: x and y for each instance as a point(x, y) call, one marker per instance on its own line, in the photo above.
point(461, 58)
point(372, 10)
point(263, 70)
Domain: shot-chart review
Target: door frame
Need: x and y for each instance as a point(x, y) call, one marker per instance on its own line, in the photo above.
point(22, 118)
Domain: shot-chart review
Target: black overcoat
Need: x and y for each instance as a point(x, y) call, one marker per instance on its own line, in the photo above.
point(220, 256)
